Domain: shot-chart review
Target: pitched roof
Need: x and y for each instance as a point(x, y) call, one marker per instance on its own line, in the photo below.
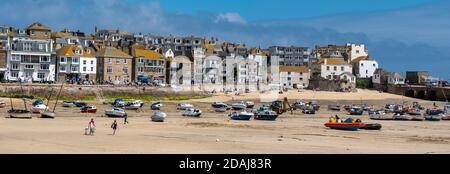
point(361, 58)
point(112, 52)
point(148, 54)
point(38, 26)
point(69, 51)
point(181, 59)
point(332, 61)
point(61, 34)
point(294, 69)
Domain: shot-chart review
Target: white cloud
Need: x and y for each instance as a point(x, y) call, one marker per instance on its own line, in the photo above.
point(231, 17)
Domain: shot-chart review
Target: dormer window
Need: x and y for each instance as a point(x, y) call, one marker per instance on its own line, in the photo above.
point(88, 51)
point(77, 52)
point(32, 32)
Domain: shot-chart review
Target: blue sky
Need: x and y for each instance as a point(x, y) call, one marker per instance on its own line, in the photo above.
point(402, 34)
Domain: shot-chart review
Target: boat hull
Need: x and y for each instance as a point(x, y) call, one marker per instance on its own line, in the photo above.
point(381, 117)
point(374, 126)
point(89, 111)
point(266, 117)
point(48, 115)
point(114, 114)
point(345, 126)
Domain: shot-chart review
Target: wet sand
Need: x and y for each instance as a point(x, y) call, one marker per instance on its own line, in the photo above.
point(216, 133)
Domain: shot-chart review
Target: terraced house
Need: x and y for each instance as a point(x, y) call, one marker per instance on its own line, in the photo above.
point(114, 66)
point(30, 55)
point(148, 63)
point(77, 63)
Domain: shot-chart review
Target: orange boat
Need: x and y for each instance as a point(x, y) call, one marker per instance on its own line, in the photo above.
point(345, 126)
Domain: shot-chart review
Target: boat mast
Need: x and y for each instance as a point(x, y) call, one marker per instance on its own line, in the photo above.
point(10, 99)
point(48, 99)
point(23, 98)
point(57, 98)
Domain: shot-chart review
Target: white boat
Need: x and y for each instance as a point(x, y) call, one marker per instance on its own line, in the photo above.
point(159, 117)
point(402, 117)
point(184, 106)
point(48, 114)
point(132, 105)
point(156, 106)
point(380, 115)
point(2, 104)
point(115, 112)
point(192, 112)
point(249, 104)
point(68, 104)
point(238, 106)
point(38, 108)
point(242, 115)
point(299, 104)
point(221, 109)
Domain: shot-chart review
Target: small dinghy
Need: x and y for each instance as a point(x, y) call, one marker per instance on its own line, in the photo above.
point(299, 104)
point(192, 112)
point(238, 106)
point(80, 104)
point(380, 115)
point(48, 114)
point(38, 106)
point(446, 116)
point(156, 106)
point(2, 104)
point(221, 109)
point(249, 104)
point(372, 126)
point(68, 104)
point(89, 109)
point(219, 105)
point(434, 114)
point(159, 117)
point(334, 107)
point(314, 104)
point(264, 113)
point(242, 115)
point(348, 124)
point(115, 113)
point(184, 106)
point(309, 110)
point(19, 114)
point(402, 117)
point(356, 110)
point(134, 105)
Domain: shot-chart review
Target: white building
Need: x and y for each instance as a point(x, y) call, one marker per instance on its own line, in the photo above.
point(364, 67)
point(294, 77)
point(332, 68)
point(76, 63)
point(357, 51)
point(395, 78)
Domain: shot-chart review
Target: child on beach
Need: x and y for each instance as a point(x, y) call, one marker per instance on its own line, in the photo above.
point(91, 127)
point(114, 127)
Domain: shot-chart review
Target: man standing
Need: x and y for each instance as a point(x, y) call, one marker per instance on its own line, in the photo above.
point(125, 119)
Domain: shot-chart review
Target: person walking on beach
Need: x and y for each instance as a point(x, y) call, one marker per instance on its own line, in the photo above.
point(91, 127)
point(125, 119)
point(114, 127)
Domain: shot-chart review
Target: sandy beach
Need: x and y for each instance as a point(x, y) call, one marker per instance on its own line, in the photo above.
point(216, 133)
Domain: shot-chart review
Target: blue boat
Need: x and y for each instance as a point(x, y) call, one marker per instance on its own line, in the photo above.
point(38, 102)
point(243, 115)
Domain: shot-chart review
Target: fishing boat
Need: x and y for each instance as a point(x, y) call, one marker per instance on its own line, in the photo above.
point(238, 106)
point(2, 104)
point(347, 124)
point(158, 116)
point(371, 126)
point(264, 113)
point(184, 106)
point(308, 110)
point(156, 105)
point(80, 104)
point(356, 110)
point(38, 106)
point(115, 112)
point(380, 115)
point(89, 109)
point(402, 117)
point(134, 105)
point(242, 115)
point(119, 102)
point(219, 105)
point(192, 112)
point(434, 114)
point(68, 104)
point(334, 107)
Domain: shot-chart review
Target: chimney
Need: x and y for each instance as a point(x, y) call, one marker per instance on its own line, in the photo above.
point(325, 61)
point(96, 29)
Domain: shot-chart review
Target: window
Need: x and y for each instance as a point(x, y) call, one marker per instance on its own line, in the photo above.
point(45, 66)
point(14, 66)
point(78, 52)
point(117, 61)
point(41, 46)
point(362, 64)
point(74, 68)
point(92, 62)
point(29, 66)
point(141, 60)
point(32, 33)
point(27, 46)
point(140, 69)
point(335, 68)
point(125, 61)
point(125, 70)
point(92, 69)
point(357, 51)
point(62, 59)
point(45, 59)
point(14, 74)
point(109, 60)
point(62, 68)
point(342, 68)
point(84, 68)
point(301, 78)
point(289, 79)
point(109, 69)
point(46, 33)
point(75, 60)
point(374, 65)
point(367, 71)
point(41, 75)
point(289, 73)
point(15, 58)
point(84, 62)
point(328, 68)
point(301, 73)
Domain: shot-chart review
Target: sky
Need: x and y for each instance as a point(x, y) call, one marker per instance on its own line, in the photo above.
point(403, 35)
